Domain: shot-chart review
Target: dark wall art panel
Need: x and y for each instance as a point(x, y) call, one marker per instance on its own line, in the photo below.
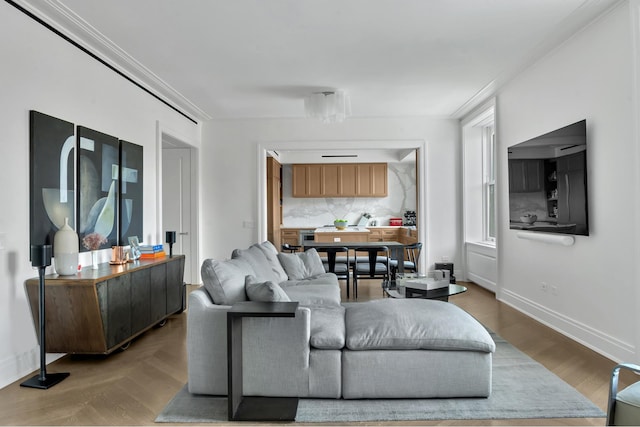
point(131, 200)
point(52, 189)
point(98, 171)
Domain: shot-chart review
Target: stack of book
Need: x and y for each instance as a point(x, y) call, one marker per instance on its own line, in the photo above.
point(151, 251)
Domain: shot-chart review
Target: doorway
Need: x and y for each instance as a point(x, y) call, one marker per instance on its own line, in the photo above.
point(179, 201)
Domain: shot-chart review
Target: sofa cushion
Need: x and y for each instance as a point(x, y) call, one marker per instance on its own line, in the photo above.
point(327, 327)
point(320, 279)
point(264, 291)
point(265, 270)
point(301, 265)
point(412, 324)
point(224, 280)
point(313, 294)
point(271, 253)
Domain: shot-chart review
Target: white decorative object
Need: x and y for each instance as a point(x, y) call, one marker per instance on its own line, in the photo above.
point(329, 107)
point(65, 250)
point(547, 238)
point(94, 260)
point(436, 279)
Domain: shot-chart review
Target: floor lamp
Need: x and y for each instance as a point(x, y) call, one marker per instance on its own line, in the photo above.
point(41, 258)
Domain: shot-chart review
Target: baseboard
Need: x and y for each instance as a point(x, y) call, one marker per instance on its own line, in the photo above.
point(485, 283)
point(598, 341)
point(20, 365)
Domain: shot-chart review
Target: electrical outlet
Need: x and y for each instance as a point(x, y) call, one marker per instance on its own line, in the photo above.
point(544, 286)
point(554, 290)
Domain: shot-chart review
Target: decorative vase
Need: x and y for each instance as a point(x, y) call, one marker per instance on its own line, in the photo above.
point(65, 250)
point(94, 260)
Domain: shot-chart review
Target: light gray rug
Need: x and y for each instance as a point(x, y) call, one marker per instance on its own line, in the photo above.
point(522, 388)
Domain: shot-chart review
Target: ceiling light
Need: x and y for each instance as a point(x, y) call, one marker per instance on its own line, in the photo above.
point(330, 107)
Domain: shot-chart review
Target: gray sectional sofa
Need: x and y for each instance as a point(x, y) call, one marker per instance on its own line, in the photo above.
point(404, 348)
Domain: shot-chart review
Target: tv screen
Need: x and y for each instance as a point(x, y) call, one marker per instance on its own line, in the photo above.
point(548, 182)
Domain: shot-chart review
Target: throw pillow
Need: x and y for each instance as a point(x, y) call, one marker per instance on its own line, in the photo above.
point(264, 291)
point(301, 265)
point(224, 280)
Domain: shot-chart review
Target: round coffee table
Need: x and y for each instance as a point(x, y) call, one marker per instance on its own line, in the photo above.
point(442, 294)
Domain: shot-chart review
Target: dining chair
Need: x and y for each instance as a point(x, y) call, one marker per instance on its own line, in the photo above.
point(368, 266)
point(338, 265)
point(411, 257)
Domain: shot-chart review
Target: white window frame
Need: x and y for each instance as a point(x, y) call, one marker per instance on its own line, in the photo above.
point(489, 222)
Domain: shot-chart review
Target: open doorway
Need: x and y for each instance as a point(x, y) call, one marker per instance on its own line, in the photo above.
point(179, 201)
point(415, 147)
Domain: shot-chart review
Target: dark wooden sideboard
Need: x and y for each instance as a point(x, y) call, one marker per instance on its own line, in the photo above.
point(99, 311)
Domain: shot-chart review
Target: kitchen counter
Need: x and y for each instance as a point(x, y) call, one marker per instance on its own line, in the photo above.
point(346, 230)
point(349, 234)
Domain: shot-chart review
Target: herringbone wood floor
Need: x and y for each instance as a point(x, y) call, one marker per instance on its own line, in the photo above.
point(131, 387)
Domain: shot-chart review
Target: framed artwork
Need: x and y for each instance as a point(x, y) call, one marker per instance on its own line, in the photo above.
point(97, 196)
point(51, 177)
point(130, 209)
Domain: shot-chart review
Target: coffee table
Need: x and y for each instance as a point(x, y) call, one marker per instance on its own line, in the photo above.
point(442, 294)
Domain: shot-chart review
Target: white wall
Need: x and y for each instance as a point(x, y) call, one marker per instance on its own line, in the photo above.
point(591, 293)
point(229, 174)
point(40, 71)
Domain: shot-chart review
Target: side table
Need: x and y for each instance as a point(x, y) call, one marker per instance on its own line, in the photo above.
point(254, 408)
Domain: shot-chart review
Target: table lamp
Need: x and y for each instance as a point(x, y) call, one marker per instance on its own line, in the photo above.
point(170, 239)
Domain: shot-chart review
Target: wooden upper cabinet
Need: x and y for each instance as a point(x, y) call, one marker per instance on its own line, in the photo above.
point(372, 180)
point(340, 180)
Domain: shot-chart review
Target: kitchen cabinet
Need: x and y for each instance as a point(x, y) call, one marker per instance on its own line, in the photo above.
point(382, 234)
point(572, 201)
point(290, 236)
point(274, 201)
point(99, 311)
point(339, 180)
point(341, 236)
point(526, 175)
point(371, 180)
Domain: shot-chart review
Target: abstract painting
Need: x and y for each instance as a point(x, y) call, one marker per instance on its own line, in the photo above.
point(52, 189)
point(130, 223)
point(98, 186)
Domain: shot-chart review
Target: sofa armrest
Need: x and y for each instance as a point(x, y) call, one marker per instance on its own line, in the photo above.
point(275, 350)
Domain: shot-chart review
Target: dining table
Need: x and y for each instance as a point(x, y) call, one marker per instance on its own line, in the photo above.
point(396, 249)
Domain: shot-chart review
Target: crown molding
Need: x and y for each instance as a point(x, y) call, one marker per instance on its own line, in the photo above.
point(78, 31)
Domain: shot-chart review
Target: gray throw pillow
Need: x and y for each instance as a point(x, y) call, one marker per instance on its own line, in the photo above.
point(301, 265)
point(264, 291)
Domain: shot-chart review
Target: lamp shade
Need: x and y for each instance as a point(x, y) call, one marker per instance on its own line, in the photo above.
point(329, 107)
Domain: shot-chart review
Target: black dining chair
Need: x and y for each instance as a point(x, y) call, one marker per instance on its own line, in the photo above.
point(290, 248)
point(338, 265)
point(411, 257)
point(368, 266)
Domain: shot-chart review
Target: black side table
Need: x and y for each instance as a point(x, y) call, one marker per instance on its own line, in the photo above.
point(254, 408)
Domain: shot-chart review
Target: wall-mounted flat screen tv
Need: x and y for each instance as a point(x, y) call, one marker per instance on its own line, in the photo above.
point(548, 182)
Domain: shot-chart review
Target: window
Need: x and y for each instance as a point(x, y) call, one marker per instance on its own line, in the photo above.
point(489, 184)
point(479, 177)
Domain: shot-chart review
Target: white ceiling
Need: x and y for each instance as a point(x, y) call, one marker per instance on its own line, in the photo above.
point(227, 59)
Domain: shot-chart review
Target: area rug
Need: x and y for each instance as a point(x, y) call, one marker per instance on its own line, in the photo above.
point(522, 388)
